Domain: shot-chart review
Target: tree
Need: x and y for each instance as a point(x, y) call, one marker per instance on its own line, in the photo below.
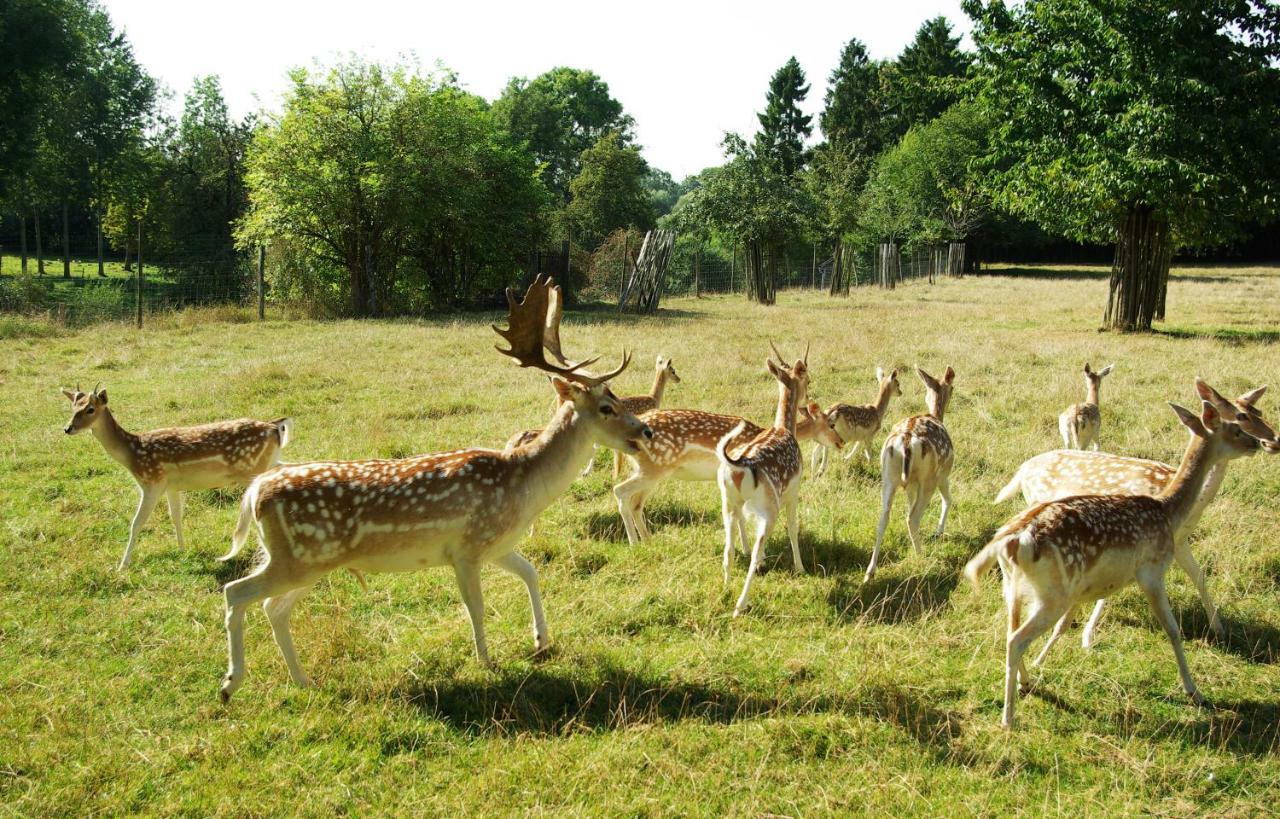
point(783, 128)
point(663, 191)
point(609, 191)
point(929, 73)
point(854, 106)
point(835, 180)
point(753, 202)
point(559, 115)
point(385, 190)
point(1151, 125)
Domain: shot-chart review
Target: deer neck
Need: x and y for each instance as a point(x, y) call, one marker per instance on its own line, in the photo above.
point(883, 398)
point(1181, 496)
point(1091, 393)
point(553, 460)
point(659, 386)
point(118, 443)
point(937, 406)
point(788, 401)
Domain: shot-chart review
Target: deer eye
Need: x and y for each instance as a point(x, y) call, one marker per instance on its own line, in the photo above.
point(88, 410)
point(605, 409)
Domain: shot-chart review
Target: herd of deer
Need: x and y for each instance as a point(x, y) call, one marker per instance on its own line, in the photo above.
point(1095, 522)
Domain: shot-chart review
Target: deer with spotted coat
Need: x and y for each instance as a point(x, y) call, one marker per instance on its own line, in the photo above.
point(461, 509)
point(857, 424)
point(1066, 472)
point(1061, 554)
point(167, 462)
point(1079, 424)
point(917, 456)
point(763, 479)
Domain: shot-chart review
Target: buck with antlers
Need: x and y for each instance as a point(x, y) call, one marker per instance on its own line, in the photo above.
point(1079, 424)
point(1067, 472)
point(917, 456)
point(1059, 555)
point(168, 462)
point(858, 423)
point(763, 479)
point(461, 509)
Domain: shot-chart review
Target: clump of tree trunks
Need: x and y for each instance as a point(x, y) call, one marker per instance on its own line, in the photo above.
point(643, 288)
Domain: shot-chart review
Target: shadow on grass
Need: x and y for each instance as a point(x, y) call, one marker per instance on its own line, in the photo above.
point(1229, 336)
point(607, 696)
point(1094, 272)
point(1245, 727)
point(660, 513)
point(891, 599)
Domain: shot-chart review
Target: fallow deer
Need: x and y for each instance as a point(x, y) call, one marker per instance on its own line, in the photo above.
point(1063, 473)
point(1079, 424)
point(168, 462)
point(917, 456)
point(1061, 554)
point(763, 480)
point(461, 509)
point(858, 423)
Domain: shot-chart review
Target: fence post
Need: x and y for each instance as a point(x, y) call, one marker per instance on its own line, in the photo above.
point(139, 293)
point(697, 272)
point(626, 255)
point(813, 269)
point(262, 295)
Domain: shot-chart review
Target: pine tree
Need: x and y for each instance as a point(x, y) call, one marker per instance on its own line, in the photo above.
point(853, 100)
point(783, 128)
point(928, 72)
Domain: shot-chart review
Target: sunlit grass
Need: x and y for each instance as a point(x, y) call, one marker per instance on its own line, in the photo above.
point(829, 696)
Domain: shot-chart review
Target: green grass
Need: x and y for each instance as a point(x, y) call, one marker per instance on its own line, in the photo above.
point(82, 267)
point(828, 697)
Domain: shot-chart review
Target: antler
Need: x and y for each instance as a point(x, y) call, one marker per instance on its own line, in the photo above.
point(783, 361)
point(533, 328)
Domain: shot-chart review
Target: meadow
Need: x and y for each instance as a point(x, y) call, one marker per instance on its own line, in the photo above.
point(828, 696)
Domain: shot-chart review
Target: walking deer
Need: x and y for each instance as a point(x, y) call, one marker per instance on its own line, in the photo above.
point(167, 462)
point(857, 424)
point(763, 480)
point(461, 509)
point(1079, 424)
point(1066, 472)
point(1061, 554)
point(917, 456)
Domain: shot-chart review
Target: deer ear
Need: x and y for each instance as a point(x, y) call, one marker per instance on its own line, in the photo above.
point(563, 388)
point(1105, 371)
point(1252, 396)
point(879, 373)
point(1087, 369)
point(102, 397)
point(949, 375)
point(925, 377)
point(1189, 420)
point(1210, 417)
point(814, 409)
point(773, 368)
point(71, 396)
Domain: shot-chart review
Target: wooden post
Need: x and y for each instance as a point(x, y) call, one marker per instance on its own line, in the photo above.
point(813, 268)
point(733, 263)
point(697, 271)
point(22, 226)
point(626, 255)
point(139, 299)
point(262, 294)
point(66, 244)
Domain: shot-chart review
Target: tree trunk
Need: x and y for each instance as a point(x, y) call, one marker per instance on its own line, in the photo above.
point(66, 244)
point(761, 272)
point(39, 247)
point(838, 285)
point(22, 227)
point(102, 270)
point(1140, 273)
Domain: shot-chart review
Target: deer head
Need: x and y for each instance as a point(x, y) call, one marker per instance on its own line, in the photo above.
point(1221, 432)
point(937, 393)
point(1243, 411)
point(665, 365)
point(86, 408)
point(889, 381)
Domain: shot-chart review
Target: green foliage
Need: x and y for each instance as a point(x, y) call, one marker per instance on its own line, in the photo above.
point(855, 106)
point(928, 73)
point(559, 115)
point(834, 182)
point(1101, 108)
point(395, 190)
point(663, 191)
point(609, 191)
point(783, 128)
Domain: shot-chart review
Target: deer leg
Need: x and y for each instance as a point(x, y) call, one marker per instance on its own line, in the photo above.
point(1015, 648)
point(1064, 623)
point(1087, 636)
point(888, 488)
point(853, 447)
point(626, 494)
point(617, 465)
point(1187, 561)
point(757, 556)
point(468, 577)
point(793, 532)
point(917, 502)
point(150, 497)
point(240, 594)
point(586, 470)
point(944, 489)
point(175, 515)
point(515, 563)
point(1152, 583)
point(818, 460)
point(278, 610)
point(731, 521)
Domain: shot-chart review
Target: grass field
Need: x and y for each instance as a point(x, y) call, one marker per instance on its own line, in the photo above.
point(829, 696)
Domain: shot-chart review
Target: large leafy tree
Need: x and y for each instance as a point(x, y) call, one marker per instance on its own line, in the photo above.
point(783, 127)
point(1154, 125)
point(929, 73)
point(559, 115)
point(383, 190)
point(854, 107)
point(609, 191)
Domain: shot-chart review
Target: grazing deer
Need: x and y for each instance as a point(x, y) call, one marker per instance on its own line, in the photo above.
point(1067, 472)
point(812, 424)
point(917, 456)
point(168, 462)
point(1079, 423)
point(1059, 555)
point(461, 509)
point(857, 424)
point(763, 480)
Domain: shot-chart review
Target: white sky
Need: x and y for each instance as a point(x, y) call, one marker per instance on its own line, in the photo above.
point(687, 72)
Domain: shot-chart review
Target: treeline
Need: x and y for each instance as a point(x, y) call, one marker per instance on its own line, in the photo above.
point(381, 188)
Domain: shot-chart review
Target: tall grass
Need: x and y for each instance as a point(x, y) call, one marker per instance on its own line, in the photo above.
point(830, 696)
